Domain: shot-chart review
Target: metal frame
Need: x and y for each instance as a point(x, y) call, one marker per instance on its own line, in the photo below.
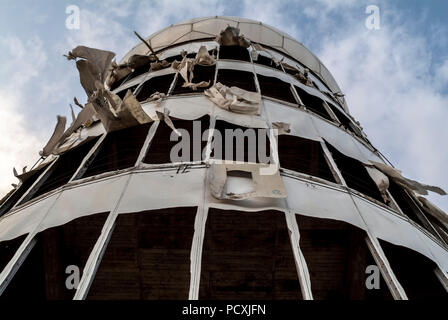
point(16, 261)
point(299, 258)
point(98, 250)
point(380, 258)
point(36, 184)
point(196, 250)
point(82, 167)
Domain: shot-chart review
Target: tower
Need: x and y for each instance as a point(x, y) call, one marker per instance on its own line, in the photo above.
point(217, 160)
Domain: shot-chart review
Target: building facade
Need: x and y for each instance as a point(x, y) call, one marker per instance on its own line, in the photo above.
point(142, 197)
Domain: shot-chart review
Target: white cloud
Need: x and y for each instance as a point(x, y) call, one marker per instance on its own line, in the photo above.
point(442, 74)
point(19, 145)
point(153, 16)
point(100, 29)
point(271, 13)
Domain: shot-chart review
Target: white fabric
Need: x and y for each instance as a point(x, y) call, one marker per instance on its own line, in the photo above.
point(344, 142)
point(90, 198)
point(269, 72)
point(235, 65)
point(300, 122)
point(305, 198)
point(24, 220)
point(163, 189)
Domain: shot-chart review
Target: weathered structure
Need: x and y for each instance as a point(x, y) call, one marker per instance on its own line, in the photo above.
point(106, 197)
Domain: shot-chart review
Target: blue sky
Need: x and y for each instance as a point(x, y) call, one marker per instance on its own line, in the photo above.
point(395, 78)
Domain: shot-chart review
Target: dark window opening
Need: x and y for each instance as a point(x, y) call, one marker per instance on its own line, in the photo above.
point(61, 172)
point(235, 78)
point(292, 70)
point(123, 92)
point(355, 174)
point(409, 207)
point(345, 121)
point(213, 52)
point(11, 201)
point(337, 256)
point(303, 155)
point(415, 272)
point(276, 88)
point(119, 150)
point(234, 53)
point(159, 84)
point(267, 61)
point(251, 141)
point(313, 103)
point(248, 255)
point(8, 249)
point(329, 95)
point(42, 276)
point(161, 145)
point(148, 257)
point(201, 73)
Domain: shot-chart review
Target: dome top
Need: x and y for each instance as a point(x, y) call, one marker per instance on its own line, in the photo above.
point(256, 31)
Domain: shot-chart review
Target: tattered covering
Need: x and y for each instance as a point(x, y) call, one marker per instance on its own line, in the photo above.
point(381, 181)
point(93, 64)
point(281, 127)
point(136, 61)
point(406, 183)
point(27, 174)
point(55, 137)
point(115, 113)
point(186, 68)
point(234, 99)
point(230, 36)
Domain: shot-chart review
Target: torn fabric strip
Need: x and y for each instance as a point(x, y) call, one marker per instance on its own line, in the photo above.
point(381, 180)
point(55, 137)
point(117, 73)
point(159, 65)
point(92, 65)
point(409, 184)
point(165, 117)
point(230, 36)
point(433, 210)
point(116, 114)
point(26, 174)
point(203, 58)
point(186, 70)
point(281, 127)
point(234, 99)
